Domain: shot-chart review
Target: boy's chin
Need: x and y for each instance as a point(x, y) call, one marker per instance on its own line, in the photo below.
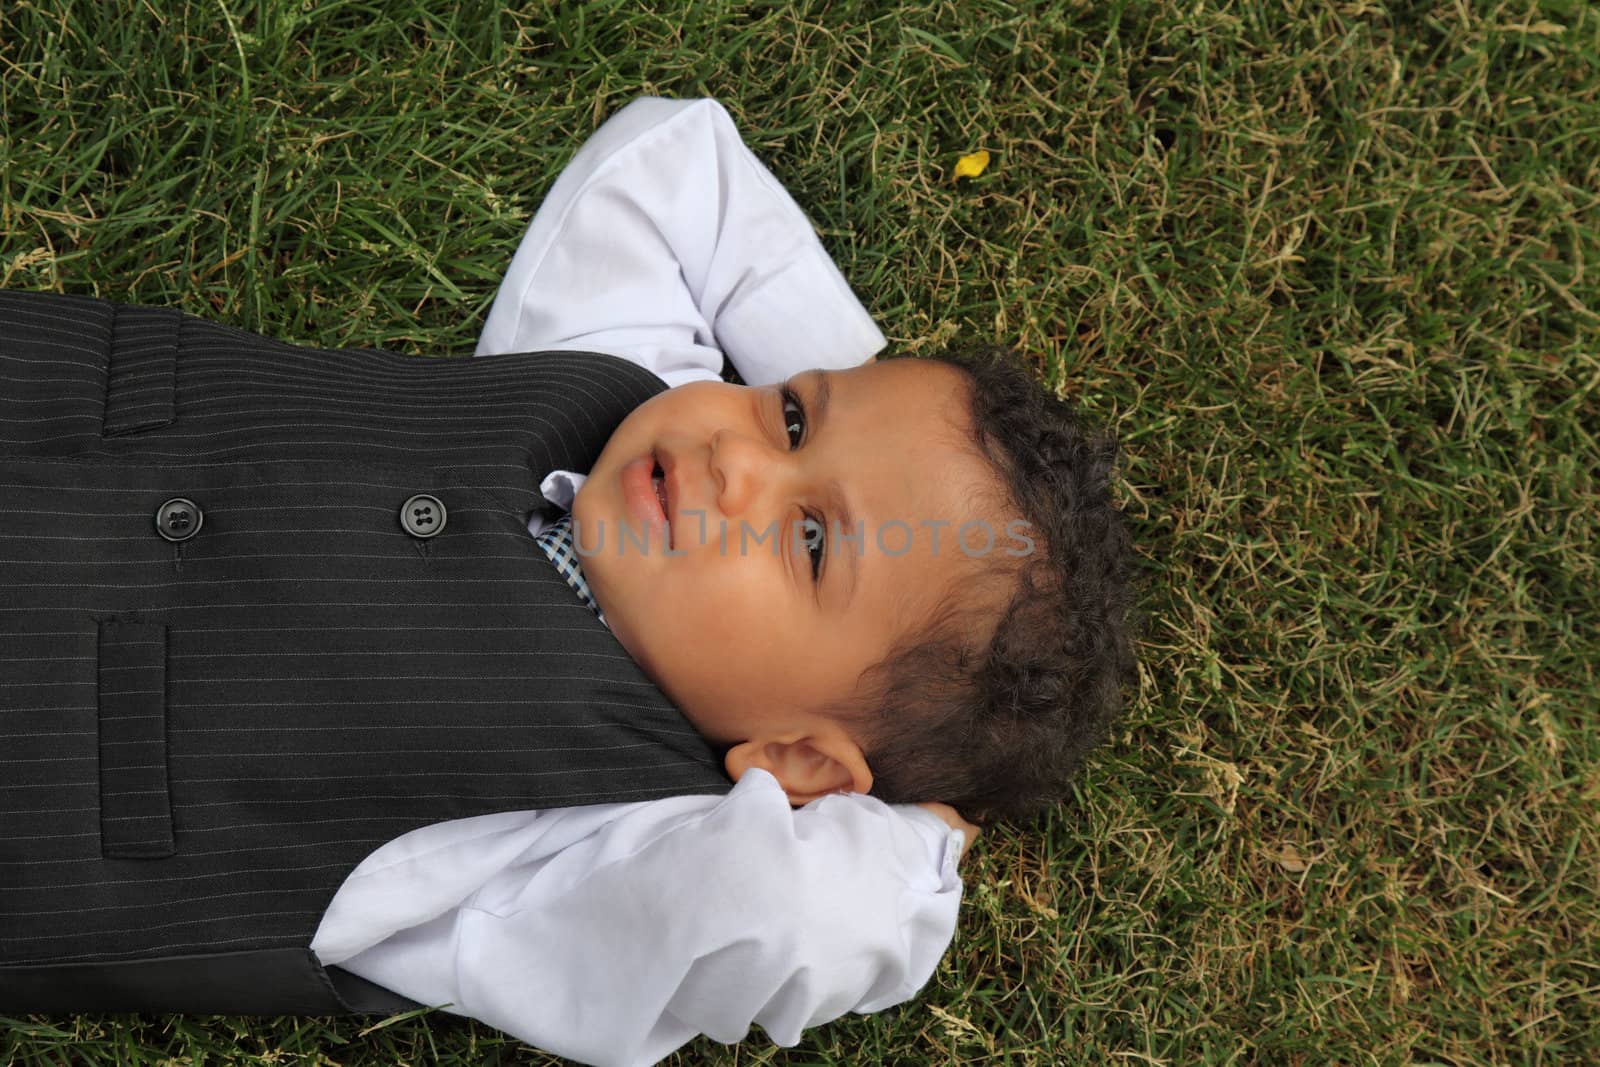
point(620, 623)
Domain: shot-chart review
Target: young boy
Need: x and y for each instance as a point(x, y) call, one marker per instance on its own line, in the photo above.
point(718, 631)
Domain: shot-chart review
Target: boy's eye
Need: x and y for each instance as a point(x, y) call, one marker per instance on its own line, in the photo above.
point(812, 535)
point(794, 418)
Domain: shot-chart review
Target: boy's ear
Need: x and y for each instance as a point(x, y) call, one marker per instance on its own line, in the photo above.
point(807, 766)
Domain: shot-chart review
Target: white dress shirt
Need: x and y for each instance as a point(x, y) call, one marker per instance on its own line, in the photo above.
point(615, 933)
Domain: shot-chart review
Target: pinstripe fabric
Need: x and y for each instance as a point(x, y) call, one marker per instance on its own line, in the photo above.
point(200, 739)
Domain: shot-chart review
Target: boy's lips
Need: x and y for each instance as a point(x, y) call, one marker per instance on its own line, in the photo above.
point(648, 500)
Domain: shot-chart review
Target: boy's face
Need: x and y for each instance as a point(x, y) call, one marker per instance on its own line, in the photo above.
point(730, 621)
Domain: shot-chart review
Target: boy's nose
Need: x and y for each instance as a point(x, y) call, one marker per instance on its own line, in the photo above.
point(739, 464)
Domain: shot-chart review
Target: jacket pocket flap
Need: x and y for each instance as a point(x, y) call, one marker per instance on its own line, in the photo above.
point(141, 370)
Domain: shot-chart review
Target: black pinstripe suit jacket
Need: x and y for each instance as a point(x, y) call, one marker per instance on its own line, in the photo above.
point(199, 739)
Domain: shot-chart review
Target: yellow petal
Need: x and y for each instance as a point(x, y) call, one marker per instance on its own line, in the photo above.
point(972, 166)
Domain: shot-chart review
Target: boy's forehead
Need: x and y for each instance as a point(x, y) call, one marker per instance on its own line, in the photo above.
point(924, 383)
point(937, 513)
point(918, 477)
point(911, 416)
point(911, 400)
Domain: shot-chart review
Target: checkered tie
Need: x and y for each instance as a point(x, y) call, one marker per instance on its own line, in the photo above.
point(556, 541)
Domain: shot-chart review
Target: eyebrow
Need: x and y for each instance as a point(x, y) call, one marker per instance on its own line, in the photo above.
point(836, 498)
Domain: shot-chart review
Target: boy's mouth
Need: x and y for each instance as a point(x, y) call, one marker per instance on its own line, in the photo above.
point(644, 490)
point(658, 478)
point(663, 488)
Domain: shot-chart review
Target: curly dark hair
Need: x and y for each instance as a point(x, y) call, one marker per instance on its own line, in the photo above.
point(996, 728)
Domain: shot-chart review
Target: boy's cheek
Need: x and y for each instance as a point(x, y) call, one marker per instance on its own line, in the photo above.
point(692, 627)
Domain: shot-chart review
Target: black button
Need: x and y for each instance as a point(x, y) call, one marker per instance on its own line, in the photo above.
point(179, 519)
point(423, 515)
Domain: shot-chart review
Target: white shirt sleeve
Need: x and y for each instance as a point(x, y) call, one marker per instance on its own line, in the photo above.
point(665, 241)
point(613, 934)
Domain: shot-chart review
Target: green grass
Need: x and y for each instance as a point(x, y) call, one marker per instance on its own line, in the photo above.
point(1329, 269)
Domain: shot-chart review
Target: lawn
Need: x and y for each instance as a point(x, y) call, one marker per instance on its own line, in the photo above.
point(1331, 271)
